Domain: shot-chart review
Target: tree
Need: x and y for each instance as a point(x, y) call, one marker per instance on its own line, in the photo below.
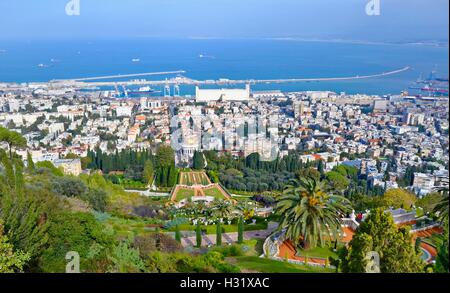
point(148, 173)
point(429, 201)
point(308, 173)
point(165, 157)
point(10, 260)
point(240, 230)
point(9, 174)
point(399, 198)
point(320, 167)
point(222, 209)
point(72, 232)
point(218, 234)
point(309, 214)
point(442, 208)
point(177, 234)
point(252, 161)
point(442, 258)
point(379, 233)
point(337, 181)
point(198, 161)
point(85, 162)
point(19, 180)
point(125, 259)
point(30, 163)
point(12, 139)
point(25, 217)
point(69, 186)
point(198, 235)
point(172, 176)
point(49, 165)
point(165, 166)
point(97, 198)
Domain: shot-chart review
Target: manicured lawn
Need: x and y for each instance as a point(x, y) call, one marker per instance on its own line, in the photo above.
point(320, 252)
point(214, 192)
point(263, 265)
point(184, 193)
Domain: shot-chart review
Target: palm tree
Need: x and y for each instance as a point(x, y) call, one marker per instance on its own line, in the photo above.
point(246, 209)
point(309, 214)
point(442, 206)
point(222, 209)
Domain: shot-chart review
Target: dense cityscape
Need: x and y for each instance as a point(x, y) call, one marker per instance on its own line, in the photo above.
point(220, 173)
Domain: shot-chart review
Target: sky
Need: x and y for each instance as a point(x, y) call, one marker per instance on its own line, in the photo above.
point(399, 20)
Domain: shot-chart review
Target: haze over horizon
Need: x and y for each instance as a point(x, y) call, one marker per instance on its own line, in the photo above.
point(415, 20)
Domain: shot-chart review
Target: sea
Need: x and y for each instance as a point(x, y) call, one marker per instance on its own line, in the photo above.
point(207, 59)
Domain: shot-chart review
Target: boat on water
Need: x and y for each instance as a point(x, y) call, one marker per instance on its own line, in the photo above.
point(135, 60)
point(204, 56)
point(141, 91)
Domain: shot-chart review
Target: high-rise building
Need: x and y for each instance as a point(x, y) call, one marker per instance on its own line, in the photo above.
point(299, 109)
point(380, 105)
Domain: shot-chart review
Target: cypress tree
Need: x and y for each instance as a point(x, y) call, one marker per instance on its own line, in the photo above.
point(218, 234)
point(198, 235)
point(9, 170)
point(30, 163)
point(163, 173)
point(19, 180)
point(241, 230)
point(198, 162)
point(177, 234)
point(171, 176)
point(320, 167)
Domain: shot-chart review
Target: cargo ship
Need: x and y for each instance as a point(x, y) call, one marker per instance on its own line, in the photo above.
point(434, 86)
point(146, 90)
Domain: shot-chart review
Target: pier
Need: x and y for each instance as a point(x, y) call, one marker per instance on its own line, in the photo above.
point(181, 80)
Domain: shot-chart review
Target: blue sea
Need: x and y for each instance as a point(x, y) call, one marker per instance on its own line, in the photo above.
point(232, 59)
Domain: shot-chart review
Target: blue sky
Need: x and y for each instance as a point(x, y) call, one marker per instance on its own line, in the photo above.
point(400, 20)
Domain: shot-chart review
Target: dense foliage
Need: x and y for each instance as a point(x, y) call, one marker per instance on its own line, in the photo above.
point(394, 245)
point(140, 166)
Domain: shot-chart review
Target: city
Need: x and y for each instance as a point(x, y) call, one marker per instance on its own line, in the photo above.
point(219, 140)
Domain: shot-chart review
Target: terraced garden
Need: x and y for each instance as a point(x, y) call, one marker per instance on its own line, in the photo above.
point(214, 192)
point(183, 193)
point(197, 184)
point(194, 178)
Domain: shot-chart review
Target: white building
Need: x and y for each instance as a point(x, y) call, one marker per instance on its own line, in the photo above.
point(423, 183)
point(380, 105)
point(56, 128)
point(72, 167)
point(14, 105)
point(124, 111)
point(211, 95)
